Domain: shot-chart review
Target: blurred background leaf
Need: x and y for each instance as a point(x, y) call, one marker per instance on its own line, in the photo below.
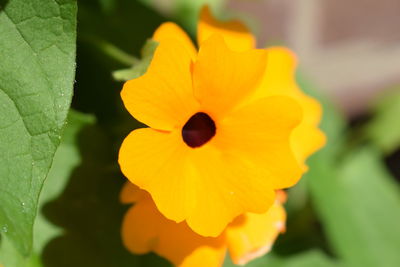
point(358, 203)
point(183, 11)
point(314, 258)
point(384, 128)
point(37, 56)
point(140, 66)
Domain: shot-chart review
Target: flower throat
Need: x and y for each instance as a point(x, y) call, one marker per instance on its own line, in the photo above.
point(198, 130)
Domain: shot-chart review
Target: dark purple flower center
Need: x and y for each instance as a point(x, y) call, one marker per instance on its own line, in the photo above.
point(198, 130)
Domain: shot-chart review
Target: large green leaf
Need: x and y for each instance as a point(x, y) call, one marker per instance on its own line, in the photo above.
point(65, 160)
point(37, 65)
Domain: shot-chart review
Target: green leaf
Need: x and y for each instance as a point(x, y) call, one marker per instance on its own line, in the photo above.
point(112, 51)
point(140, 67)
point(384, 128)
point(314, 258)
point(10, 257)
point(359, 205)
point(65, 160)
point(37, 66)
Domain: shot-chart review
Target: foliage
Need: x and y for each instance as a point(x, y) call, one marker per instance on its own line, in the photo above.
point(37, 55)
point(140, 66)
point(384, 129)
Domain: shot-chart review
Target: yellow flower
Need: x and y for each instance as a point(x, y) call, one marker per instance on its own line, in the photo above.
point(224, 126)
point(249, 236)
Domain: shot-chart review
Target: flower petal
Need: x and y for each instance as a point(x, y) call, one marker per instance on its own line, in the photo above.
point(130, 193)
point(261, 132)
point(168, 29)
point(205, 256)
point(223, 78)
point(140, 228)
point(236, 34)
point(252, 235)
point(279, 79)
point(163, 97)
point(145, 229)
point(307, 138)
point(156, 162)
point(227, 186)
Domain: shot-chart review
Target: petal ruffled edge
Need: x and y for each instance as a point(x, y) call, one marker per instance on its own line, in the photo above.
point(252, 235)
